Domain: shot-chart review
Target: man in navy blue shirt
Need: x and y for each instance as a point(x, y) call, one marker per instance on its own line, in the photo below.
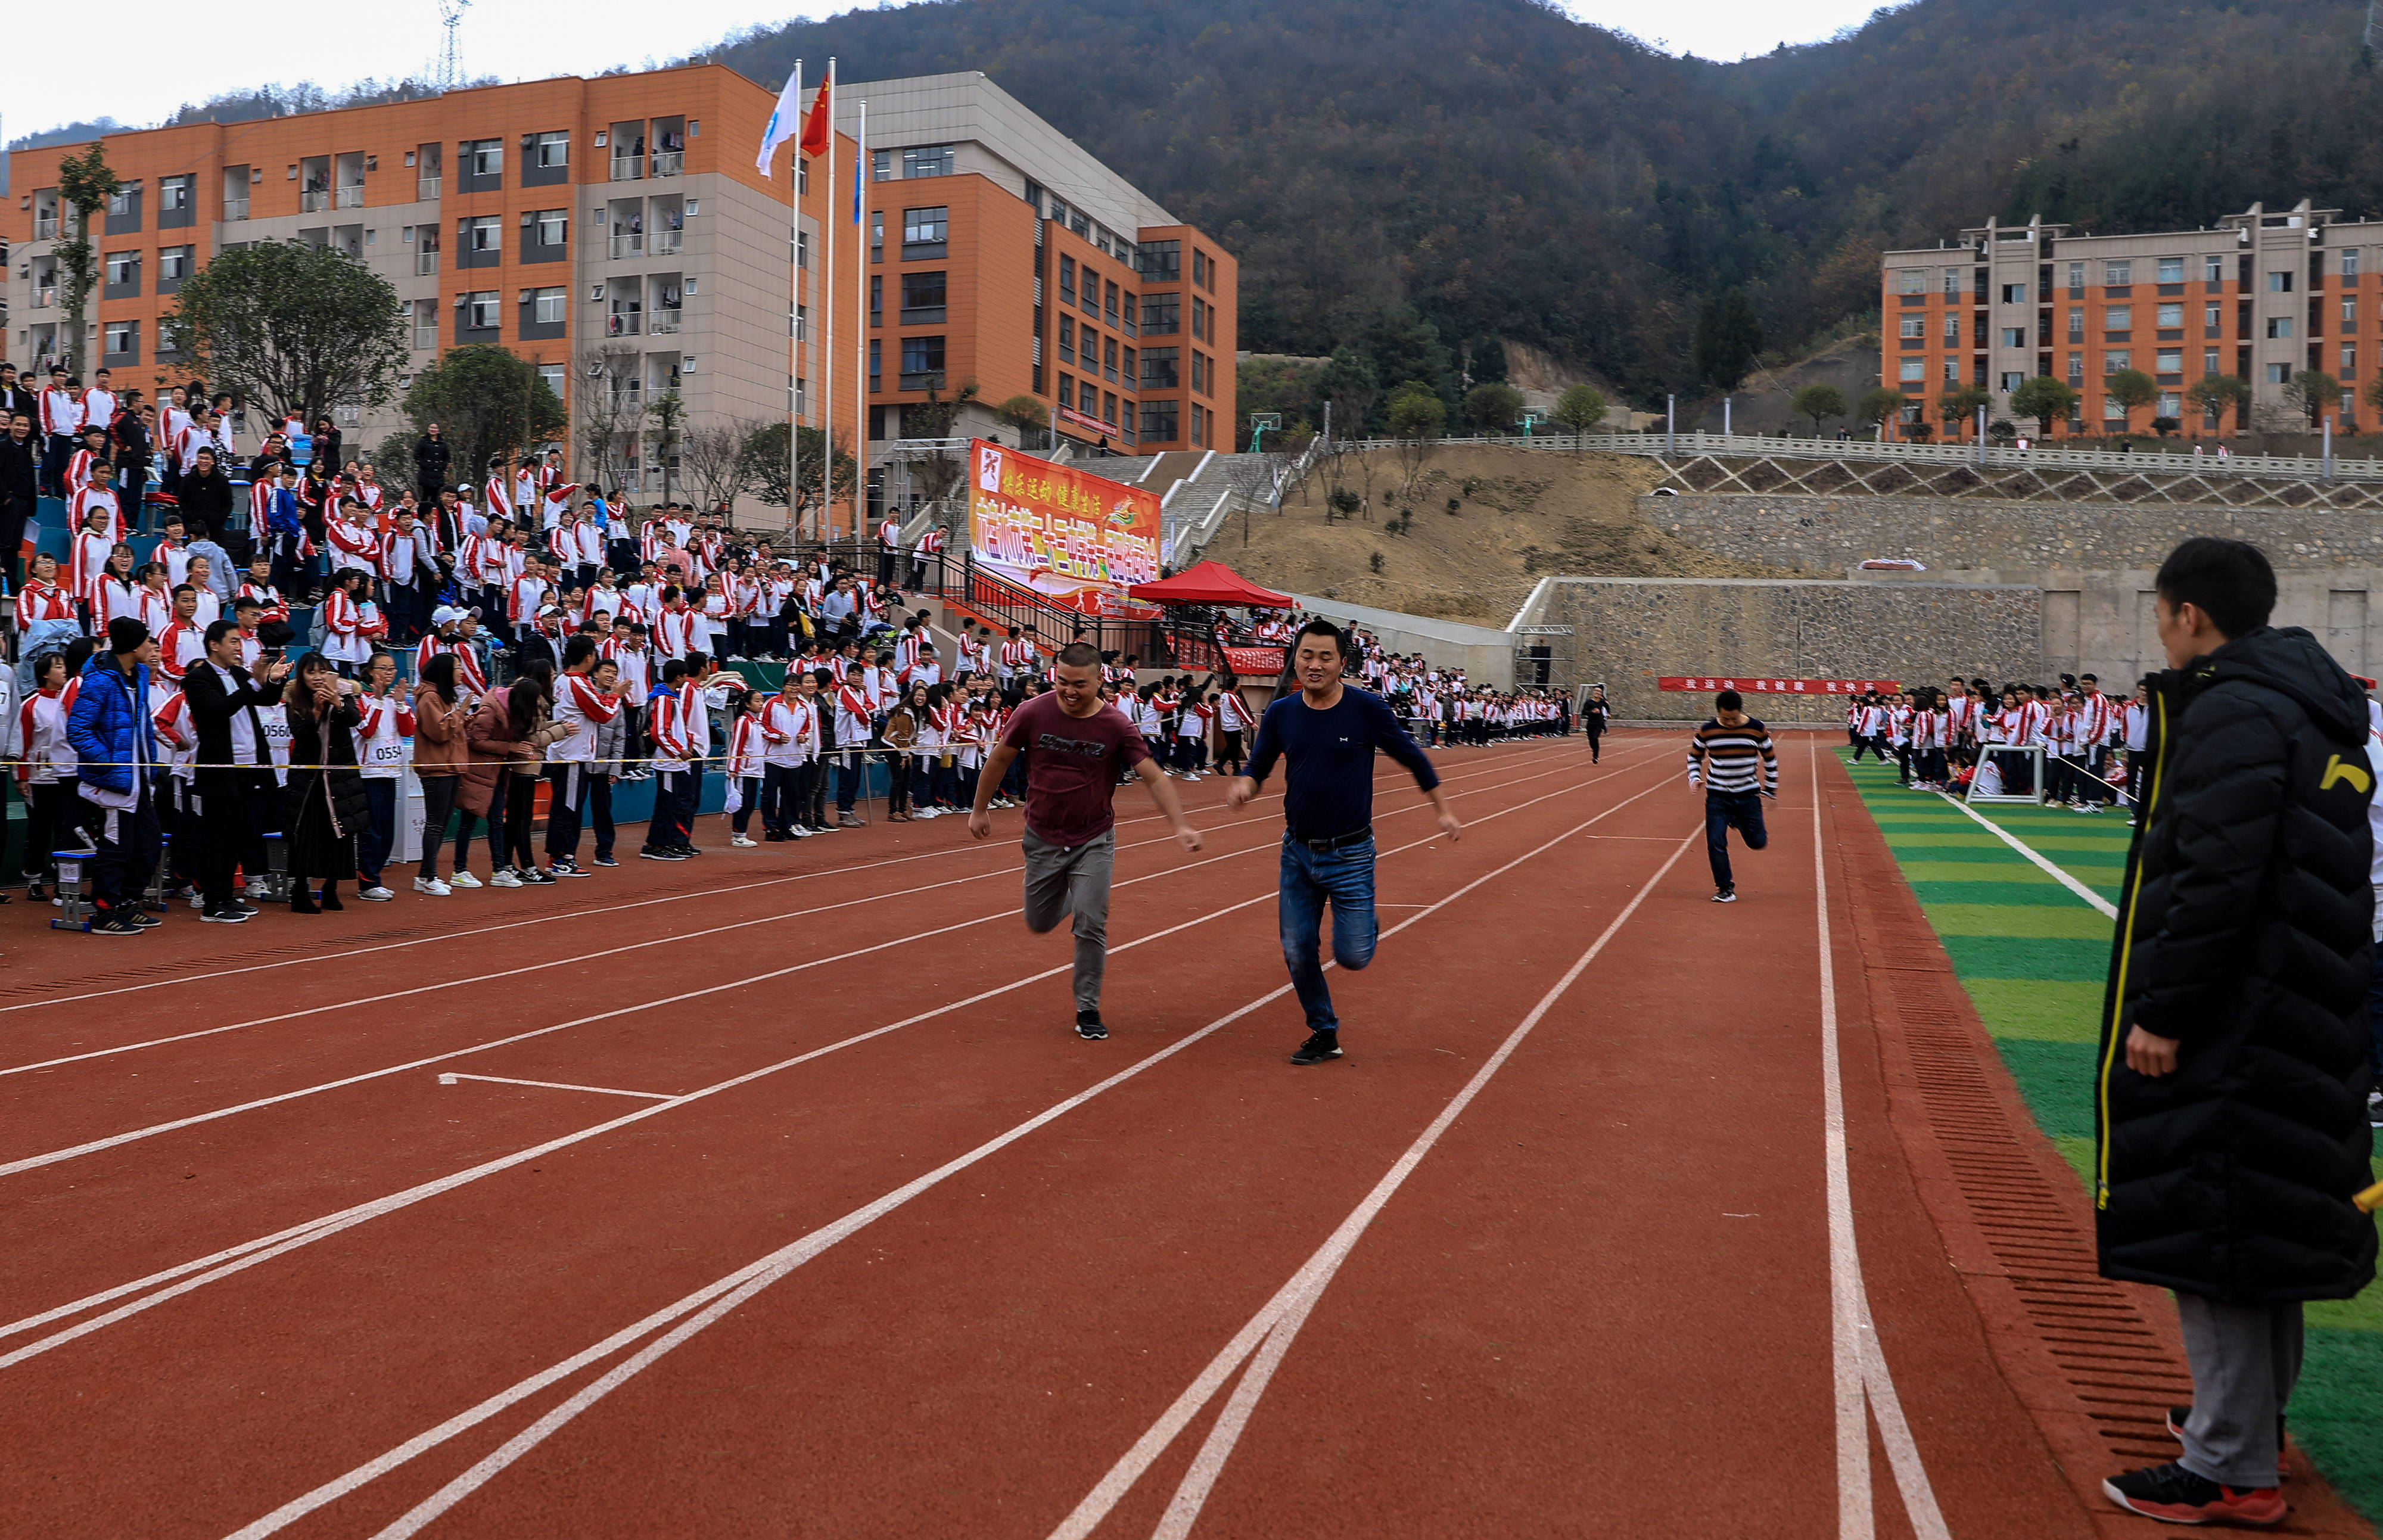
point(1329, 734)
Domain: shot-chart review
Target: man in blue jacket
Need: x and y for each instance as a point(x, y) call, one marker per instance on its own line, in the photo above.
point(1329, 734)
point(116, 742)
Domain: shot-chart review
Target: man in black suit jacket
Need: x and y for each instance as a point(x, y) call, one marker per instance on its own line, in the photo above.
point(223, 701)
point(21, 462)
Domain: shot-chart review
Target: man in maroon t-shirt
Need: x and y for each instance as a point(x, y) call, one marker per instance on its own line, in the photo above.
point(1078, 740)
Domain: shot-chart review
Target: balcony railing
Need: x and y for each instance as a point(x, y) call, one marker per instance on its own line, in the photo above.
point(313, 201)
point(234, 209)
point(666, 242)
point(628, 246)
point(44, 298)
point(667, 162)
point(352, 195)
point(425, 189)
point(929, 379)
point(665, 322)
point(628, 402)
point(425, 337)
point(622, 325)
point(426, 263)
point(627, 168)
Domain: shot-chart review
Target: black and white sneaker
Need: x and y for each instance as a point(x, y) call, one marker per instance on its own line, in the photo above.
point(144, 919)
point(224, 915)
point(115, 925)
point(1089, 1027)
point(567, 868)
point(1318, 1047)
point(606, 861)
point(1724, 895)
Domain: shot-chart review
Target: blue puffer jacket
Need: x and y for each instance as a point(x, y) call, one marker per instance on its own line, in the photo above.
point(110, 727)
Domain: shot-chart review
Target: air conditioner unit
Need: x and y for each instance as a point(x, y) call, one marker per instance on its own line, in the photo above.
point(594, 368)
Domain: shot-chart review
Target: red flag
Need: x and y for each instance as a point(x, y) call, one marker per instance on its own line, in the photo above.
point(816, 127)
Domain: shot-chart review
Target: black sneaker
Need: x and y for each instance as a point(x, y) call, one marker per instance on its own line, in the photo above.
point(146, 920)
point(1724, 895)
point(690, 850)
point(567, 868)
point(114, 925)
point(656, 853)
point(2178, 1415)
point(1089, 1027)
point(1318, 1047)
point(224, 915)
point(2175, 1496)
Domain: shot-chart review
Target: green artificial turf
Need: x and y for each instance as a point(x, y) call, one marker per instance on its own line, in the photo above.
point(2034, 957)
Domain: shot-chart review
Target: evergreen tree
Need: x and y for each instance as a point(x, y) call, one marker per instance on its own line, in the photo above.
point(1728, 338)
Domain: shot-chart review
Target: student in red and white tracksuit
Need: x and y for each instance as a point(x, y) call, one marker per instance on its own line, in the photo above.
point(582, 708)
point(788, 757)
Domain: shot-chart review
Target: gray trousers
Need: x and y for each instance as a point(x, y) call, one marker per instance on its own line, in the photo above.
point(1063, 879)
point(2245, 1361)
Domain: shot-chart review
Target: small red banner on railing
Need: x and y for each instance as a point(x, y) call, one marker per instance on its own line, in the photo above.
point(1254, 660)
point(1701, 682)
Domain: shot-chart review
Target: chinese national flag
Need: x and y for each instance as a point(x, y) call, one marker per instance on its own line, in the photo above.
point(816, 126)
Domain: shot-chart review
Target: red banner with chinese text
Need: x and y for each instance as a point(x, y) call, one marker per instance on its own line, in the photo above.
point(1078, 539)
point(1702, 682)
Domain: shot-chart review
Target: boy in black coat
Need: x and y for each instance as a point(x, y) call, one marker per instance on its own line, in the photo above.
point(2230, 1101)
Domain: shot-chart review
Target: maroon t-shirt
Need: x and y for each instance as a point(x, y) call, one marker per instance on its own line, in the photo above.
point(1071, 767)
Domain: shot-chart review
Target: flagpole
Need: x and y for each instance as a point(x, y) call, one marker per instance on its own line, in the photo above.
point(860, 326)
point(794, 342)
point(827, 350)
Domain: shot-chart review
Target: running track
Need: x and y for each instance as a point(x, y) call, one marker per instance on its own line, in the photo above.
point(770, 1195)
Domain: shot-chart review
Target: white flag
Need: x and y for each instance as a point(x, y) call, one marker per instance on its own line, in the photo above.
point(786, 120)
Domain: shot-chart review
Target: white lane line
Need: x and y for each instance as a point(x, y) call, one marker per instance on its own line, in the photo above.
point(235, 1258)
point(2060, 875)
point(1278, 1321)
point(52, 1157)
point(708, 1304)
point(450, 1079)
point(1860, 1369)
point(588, 956)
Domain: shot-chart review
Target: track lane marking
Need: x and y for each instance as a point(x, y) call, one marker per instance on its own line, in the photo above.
point(715, 1300)
point(451, 1078)
point(241, 1257)
point(2059, 874)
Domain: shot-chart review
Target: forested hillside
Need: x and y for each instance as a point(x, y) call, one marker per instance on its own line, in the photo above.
point(1511, 172)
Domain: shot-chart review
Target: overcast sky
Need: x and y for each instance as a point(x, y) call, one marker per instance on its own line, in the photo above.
point(168, 62)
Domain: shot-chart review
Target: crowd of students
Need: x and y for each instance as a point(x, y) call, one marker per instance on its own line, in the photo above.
point(1938, 739)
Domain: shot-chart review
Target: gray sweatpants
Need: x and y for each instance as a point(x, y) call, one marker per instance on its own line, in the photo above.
point(1063, 879)
point(2246, 1359)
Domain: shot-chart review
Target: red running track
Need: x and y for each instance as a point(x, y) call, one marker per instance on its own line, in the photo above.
point(883, 1249)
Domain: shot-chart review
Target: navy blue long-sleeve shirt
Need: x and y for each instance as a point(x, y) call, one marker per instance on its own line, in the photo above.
point(1331, 754)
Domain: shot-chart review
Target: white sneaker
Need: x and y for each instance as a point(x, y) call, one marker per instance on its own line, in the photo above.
point(462, 879)
point(375, 894)
point(503, 877)
point(432, 886)
point(799, 833)
point(1193, 776)
point(928, 813)
point(742, 842)
point(197, 901)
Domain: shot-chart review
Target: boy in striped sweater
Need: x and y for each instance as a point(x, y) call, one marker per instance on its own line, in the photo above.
point(1730, 757)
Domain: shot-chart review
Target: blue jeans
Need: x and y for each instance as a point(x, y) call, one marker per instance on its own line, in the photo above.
point(1724, 809)
point(1309, 879)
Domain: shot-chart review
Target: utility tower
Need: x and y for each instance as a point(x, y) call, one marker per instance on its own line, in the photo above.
point(450, 70)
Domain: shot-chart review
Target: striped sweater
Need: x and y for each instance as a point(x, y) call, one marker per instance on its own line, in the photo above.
point(1733, 759)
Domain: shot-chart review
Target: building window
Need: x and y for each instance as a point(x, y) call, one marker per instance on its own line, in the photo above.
point(485, 158)
point(550, 152)
point(479, 312)
point(544, 233)
point(1109, 304)
point(2349, 314)
point(1198, 425)
point(2210, 323)
point(801, 321)
point(1132, 371)
point(174, 192)
point(881, 166)
point(546, 306)
point(124, 340)
point(1108, 358)
point(1131, 329)
point(174, 262)
point(876, 366)
point(1067, 339)
point(1159, 261)
point(1914, 370)
point(2076, 323)
point(1200, 269)
point(1952, 330)
point(1109, 408)
point(2117, 359)
point(479, 242)
point(803, 250)
point(2208, 361)
point(1202, 375)
point(1068, 391)
point(2076, 278)
point(2170, 360)
point(2118, 318)
point(2171, 315)
point(877, 235)
point(1911, 280)
point(1952, 371)
point(924, 231)
point(1913, 329)
point(2350, 263)
point(927, 160)
point(2117, 272)
point(922, 362)
point(1088, 399)
point(1091, 303)
point(123, 276)
point(2013, 293)
point(2012, 380)
point(2280, 283)
point(2171, 269)
point(2014, 337)
point(1162, 315)
point(2112, 410)
point(1159, 419)
point(2213, 269)
point(557, 377)
point(2349, 361)
point(1067, 280)
point(922, 299)
point(1158, 368)
point(2278, 374)
point(2279, 325)
point(2076, 369)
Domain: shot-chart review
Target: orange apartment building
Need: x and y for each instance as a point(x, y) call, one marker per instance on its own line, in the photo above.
point(2257, 295)
point(614, 231)
point(1003, 253)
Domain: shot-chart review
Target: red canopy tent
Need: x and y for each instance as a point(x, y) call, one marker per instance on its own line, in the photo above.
point(1209, 583)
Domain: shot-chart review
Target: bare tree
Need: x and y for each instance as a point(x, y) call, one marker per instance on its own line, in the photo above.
point(613, 411)
point(711, 457)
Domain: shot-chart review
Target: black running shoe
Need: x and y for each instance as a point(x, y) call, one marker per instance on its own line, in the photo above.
point(1089, 1027)
point(1318, 1047)
point(1724, 895)
point(144, 919)
point(2175, 1496)
point(114, 925)
point(224, 915)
